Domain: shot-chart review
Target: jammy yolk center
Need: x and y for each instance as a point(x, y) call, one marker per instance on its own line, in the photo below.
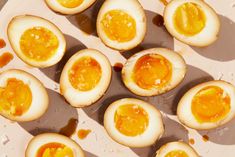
point(119, 26)
point(15, 98)
point(85, 74)
point(54, 150)
point(152, 71)
point(70, 3)
point(210, 104)
point(189, 19)
point(177, 153)
point(39, 43)
point(131, 120)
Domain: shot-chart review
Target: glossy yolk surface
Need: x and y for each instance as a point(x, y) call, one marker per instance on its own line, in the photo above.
point(15, 98)
point(39, 43)
point(85, 74)
point(189, 19)
point(131, 120)
point(70, 3)
point(177, 153)
point(152, 71)
point(119, 26)
point(210, 104)
point(54, 150)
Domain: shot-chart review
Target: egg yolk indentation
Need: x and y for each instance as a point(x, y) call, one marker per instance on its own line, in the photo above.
point(177, 153)
point(85, 74)
point(189, 19)
point(210, 104)
point(54, 150)
point(119, 25)
point(152, 71)
point(131, 120)
point(15, 98)
point(70, 3)
point(39, 43)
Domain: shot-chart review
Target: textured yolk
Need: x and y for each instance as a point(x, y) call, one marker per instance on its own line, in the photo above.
point(131, 120)
point(210, 104)
point(39, 43)
point(85, 74)
point(15, 98)
point(54, 150)
point(177, 153)
point(189, 19)
point(119, 26)
point(70, 3)
point(152, 71)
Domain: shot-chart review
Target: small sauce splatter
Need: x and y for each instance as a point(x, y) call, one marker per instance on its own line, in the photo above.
point(118, 67)
point(5, 58)
point(191, 141)
point(85, 24)
point(70, 128)
point(158, 20)
point(82, 133)
point(205, 138)
point(165, 2)
point(2, 43)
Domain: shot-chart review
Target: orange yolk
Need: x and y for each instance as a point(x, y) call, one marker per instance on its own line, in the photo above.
point(131, 120)
point(15, 98)
point(85, 74)
point(39, 43)
point(54, 150)
point(177, 153)
point(210, 104)
point(189, 19)
point(119, 26)
point(152, 71)
point(70, 3)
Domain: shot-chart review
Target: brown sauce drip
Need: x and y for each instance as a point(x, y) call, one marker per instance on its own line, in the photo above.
point(2, 43)
point(205, 138)
point(70, 128)
point(158, 20)
point(191, 141)
point(5, 58)
point(165, 2)
point(82, 133)
point(118, 67)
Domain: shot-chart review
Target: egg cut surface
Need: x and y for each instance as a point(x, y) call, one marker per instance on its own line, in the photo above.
point(133, 123)
point(193, 22)
point(35, 40)
point(153, 71)
point(22, 96)
point(85, 77)
point(53, 145)
point(207, 105)
point(121, 24)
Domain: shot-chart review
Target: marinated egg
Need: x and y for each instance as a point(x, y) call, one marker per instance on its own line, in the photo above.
point(36, 41)
point(133, 122)
point(193, 22)
point(208, 105)
point(22, 96)
point(85, 77)
point(121, 24)
point(153, 71)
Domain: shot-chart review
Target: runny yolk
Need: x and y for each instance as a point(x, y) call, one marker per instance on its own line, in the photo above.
point(189, 19)
point(177, 153)
point(131, 120)
point(85, 74)
point(70, 3)
point(54, 150)
point(210, 104)
point(119, 26)
point(39, 43)
point(152, 71)
point(15, 98)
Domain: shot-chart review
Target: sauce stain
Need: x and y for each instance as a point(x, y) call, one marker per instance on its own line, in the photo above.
point(158, 20)
point(191, 141)
point(165, 2)
point(5, 58)
point(70, 128)
point(86, 24)
point(118, 67)
point(82, 133)
point(205, 138)
point(2, 43)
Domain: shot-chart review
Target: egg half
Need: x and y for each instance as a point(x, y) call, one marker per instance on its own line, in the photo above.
point(207, 105)
point(121, 24)
point(85, 77)
point(69, 6)
point(176, 149)
point(36, 41)
point(133, 122)
point(153, 71)
point(22, 96)
point(52, 144)
point(193, 22)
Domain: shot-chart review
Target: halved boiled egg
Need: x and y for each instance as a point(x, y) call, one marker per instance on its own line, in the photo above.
point(121, 24)
point(36, 41)
point(53, 145)
point(208, 105)
point(22, 96)
point(69, 6)
point(133, 122)
point(85, 77)
point(176, 149)
point(193, 22)
point(153, 71)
